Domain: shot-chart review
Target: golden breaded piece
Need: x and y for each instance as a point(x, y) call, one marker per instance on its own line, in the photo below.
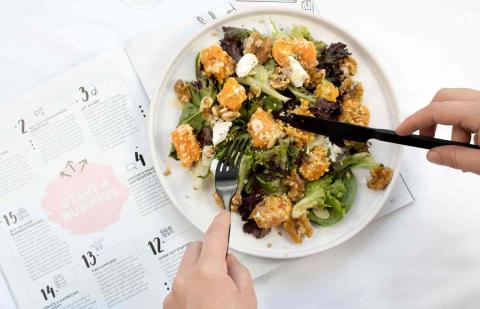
point(353, 111)
point(303, 108)
point(316, 165)
point(381, 177)
point(258, 45)
point(301, 137)
point(217, 62)
point(263, 129)
point(349, 66)
point(186, 145)
point(302, 50)
point(297, 228)
point(272, 211)
point(327, 91)
point(232, 95)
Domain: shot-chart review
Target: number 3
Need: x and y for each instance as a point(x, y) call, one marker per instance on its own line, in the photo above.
point(85, 93)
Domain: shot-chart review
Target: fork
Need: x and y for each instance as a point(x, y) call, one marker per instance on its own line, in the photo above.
point(226, 174)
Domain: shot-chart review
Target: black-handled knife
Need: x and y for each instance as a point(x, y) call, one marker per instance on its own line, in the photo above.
point(356, 133)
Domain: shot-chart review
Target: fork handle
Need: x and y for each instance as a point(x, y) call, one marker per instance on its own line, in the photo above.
point(229, 203)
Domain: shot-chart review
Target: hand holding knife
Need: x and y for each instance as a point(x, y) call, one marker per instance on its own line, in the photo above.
point(357, 133)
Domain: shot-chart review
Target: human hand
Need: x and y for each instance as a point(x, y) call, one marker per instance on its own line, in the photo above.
point(459, 108)
point(206, 279)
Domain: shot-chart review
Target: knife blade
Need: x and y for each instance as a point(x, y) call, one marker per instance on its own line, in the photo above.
point(351, 132)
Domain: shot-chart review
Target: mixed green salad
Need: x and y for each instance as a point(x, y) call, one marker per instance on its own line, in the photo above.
point(288, 178)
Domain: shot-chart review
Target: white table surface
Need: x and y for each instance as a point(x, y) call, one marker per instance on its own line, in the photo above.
point(424, 256)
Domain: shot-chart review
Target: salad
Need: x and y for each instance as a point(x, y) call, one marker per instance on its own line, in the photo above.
point(289, 178)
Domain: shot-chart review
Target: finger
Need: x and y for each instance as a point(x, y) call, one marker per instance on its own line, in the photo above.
point(190, 257)
point(215, 240)
point(458, 157)
point(428, 131)
point(460, 135)
point(168, 302)
point(239, 274)
point(458, 113)
point(452, 94)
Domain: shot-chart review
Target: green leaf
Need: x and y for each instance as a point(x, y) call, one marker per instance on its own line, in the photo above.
point(302, 93)
point(361, 159)
point(245, 166)
point(271, 104)
point(192, 116)
point(271, 186)
point(334, 217)
point(350, 182)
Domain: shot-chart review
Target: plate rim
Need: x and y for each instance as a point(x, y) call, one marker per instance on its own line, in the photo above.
point(383, 79)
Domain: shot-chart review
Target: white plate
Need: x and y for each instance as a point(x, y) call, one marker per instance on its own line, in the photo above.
point(199, 207)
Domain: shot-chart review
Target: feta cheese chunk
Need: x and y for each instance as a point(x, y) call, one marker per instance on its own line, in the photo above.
point(220, 131)
point(246, 64)
point(298, 75)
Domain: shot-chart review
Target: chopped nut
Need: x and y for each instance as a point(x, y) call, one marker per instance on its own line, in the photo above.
point(181, 91)
point(279, 78)
point(297, 228)
point(230, 115)
point(296, 184)
point(381, 177)
point(349, 66)
point(236, 201)
point(351, 90)
point(316, 165)
point(316, 77)
point(255, 91)
point(167, 171)
point(218, 200)
point(260, 46)
point(205, 104)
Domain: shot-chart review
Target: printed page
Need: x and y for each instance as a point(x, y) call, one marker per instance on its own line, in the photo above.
point(84, 222)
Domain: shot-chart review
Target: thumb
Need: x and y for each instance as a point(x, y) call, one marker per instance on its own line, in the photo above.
point(458, 157)
point(239, 274)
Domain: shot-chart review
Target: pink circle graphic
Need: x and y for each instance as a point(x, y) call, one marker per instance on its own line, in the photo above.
point(85, 198)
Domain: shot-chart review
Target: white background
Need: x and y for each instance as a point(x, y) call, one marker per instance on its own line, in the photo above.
point(426, 255)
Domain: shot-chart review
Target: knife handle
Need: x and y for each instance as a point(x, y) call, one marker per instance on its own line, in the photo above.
point(417, 140)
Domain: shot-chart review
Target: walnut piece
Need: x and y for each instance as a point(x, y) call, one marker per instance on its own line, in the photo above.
point(181, 91)
point(260, 46)
point(296, 184)
point(298, 228)
point(279, 78)
point(381, 177)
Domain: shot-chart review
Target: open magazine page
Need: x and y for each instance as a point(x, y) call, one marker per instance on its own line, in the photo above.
point(83, 220)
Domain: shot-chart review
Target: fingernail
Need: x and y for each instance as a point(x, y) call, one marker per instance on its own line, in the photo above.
point(433, 157)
